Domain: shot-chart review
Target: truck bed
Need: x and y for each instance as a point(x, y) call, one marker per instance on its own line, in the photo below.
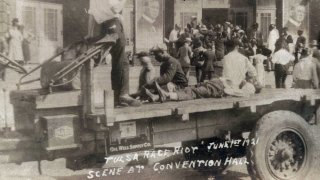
point(267, 96)
point(164, 131)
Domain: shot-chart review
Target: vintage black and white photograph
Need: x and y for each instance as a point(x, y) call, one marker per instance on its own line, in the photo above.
point(159, 89)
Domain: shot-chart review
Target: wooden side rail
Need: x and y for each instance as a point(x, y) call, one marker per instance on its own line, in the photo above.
point(109, 107)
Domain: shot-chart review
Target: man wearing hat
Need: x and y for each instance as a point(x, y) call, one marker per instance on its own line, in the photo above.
point(300, 44)
point(314, 45)
point(194, 22)
point(107, 13)
point(254, 33)
point(305, 72)
point(170, 69)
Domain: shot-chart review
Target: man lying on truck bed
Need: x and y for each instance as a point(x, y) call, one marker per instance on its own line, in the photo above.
point(215, 88)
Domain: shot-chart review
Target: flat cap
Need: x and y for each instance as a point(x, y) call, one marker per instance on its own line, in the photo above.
point(142, 54)
point(158, 48)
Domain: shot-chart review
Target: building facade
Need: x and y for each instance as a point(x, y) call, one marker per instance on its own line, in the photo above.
point(58, 23)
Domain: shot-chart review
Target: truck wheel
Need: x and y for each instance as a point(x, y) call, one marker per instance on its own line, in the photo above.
point(203, 154)
point(284, 149)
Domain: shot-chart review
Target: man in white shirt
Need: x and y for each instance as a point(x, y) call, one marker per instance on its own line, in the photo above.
point(236, 66)
point(282, 60)
point(107, 13)
point(305, 72)
point(173, 37)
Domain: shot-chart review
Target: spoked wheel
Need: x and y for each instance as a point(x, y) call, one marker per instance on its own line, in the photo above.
point(6, 62)
point(284, 150)
point(286, 154)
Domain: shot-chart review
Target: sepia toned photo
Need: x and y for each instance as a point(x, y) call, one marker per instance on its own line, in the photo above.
point(159, 89)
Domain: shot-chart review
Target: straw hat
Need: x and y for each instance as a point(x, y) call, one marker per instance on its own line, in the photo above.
point(188, 40)
point(314, 43)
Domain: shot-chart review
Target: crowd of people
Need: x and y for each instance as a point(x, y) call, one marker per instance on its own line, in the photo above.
point(244, 58)
point(208, 45)
point(200, 46)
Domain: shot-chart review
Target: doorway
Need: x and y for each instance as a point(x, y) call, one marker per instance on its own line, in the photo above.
point(266, 17)
point(43, 21)
point(214, 16)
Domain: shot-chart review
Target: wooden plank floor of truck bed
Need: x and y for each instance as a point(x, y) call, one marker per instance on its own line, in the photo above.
point(267, 96)
point(153, 110)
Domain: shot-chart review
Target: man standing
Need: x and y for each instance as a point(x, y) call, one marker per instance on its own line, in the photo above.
point(305, 72)
point(173, 38)
point(107, 13)
point(282, 60)
point(236, 66)
point(273, 37)
point(300, 44)
point(254, 33)
point(316, 61)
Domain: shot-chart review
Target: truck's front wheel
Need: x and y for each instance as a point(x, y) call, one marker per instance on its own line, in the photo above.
point(284, 150)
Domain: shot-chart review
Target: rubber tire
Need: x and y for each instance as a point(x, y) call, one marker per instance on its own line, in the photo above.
point(202, 154)
point(266, 128)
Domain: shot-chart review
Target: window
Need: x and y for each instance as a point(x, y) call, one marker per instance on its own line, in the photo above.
point(266, 3)
point(29, 18)
point(185, 18)
point(218, 1)
point(265, 22)
point(4, 17)
point(50, 24)
point(241, 19)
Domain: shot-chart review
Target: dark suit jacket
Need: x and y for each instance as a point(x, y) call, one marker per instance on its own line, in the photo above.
point(257, 35)
point(171, 71)
point(220, 47)
point(210, 57)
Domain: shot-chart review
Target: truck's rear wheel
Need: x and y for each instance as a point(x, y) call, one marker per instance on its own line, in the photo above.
point(284, 150)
